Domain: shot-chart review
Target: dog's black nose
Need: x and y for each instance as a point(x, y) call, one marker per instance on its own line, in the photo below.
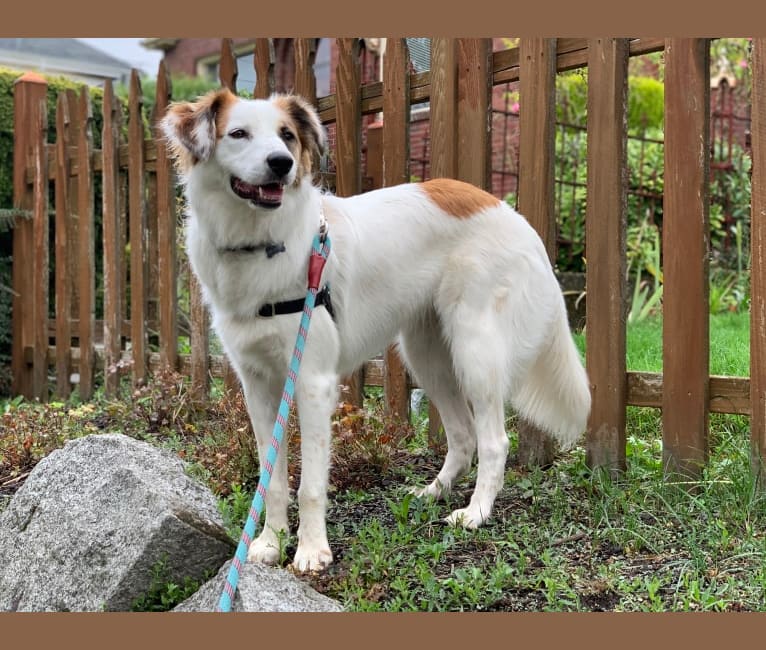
point(280, 163)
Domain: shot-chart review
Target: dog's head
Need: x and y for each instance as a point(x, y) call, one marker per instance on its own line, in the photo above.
point(262, 146)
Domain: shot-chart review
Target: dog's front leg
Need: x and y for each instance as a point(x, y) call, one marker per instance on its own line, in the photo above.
point(262, 397)
point(317, 397)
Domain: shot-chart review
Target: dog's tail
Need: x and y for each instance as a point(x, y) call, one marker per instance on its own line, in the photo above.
point(555, 394)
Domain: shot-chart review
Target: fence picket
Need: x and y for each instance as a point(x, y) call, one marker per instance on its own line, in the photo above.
point(41, 259)
point(758, 264)
point(348, 154)
point(228, 77)
point(263, 61)
point(227, 71)
point(605, 236)
point(86, 246)
point(537, 90)
point(113, 256)
point(304, 52)
point(685, 231)
point(474, 111)
point(137, 223)
point(166, 232)
point(63, 281)
point(396, 170)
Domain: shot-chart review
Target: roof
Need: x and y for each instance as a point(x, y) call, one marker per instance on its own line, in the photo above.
point(62, 55)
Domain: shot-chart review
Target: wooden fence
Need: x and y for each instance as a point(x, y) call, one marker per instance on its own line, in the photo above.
point(139, 331)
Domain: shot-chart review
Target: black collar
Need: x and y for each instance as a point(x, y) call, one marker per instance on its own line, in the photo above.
point(294, 306)
point(271, 248)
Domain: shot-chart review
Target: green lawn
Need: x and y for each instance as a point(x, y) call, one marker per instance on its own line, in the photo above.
point(729, 344)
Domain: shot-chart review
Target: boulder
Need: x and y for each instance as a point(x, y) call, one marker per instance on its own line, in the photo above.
point(261, 588)
point(95, 519)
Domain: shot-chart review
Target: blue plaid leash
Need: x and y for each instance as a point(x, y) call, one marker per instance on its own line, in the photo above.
point(319, 252)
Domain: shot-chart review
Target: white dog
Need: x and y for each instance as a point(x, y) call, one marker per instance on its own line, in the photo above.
point(459, 278)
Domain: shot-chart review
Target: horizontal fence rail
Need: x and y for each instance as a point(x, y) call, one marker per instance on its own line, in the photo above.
point(114, 209)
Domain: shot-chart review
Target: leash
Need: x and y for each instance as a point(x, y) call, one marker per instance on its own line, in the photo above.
point(319, 252)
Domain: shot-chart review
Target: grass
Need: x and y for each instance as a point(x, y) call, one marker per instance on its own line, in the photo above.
point(560, 539)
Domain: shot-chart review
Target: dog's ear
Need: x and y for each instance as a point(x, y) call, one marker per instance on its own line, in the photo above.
point(310, 130)
point(190, 127)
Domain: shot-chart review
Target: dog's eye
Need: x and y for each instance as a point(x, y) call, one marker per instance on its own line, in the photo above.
point(238, 134)
point(287, 135)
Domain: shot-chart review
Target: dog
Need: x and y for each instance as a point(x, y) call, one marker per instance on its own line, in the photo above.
point(455, 276)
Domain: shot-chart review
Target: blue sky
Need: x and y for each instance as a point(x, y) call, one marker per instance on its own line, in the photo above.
point(129, 50)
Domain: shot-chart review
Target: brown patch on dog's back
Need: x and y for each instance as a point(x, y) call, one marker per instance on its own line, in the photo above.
point(459, 199)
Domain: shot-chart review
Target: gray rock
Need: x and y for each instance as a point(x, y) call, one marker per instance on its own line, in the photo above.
point(261, 588)
point(94, 518)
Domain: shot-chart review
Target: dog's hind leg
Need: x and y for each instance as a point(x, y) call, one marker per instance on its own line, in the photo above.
point(262, 397)
point(426, 354)
point(479, 358)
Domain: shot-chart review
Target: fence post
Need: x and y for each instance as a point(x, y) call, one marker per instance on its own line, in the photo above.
point(263, 61)
point(605, 236)
point(758, 264)
point(29, 91)
point(537, 116)
point(685, 229)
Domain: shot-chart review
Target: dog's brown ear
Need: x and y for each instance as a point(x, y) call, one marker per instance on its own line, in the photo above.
point(310, 130)
point(190, 127)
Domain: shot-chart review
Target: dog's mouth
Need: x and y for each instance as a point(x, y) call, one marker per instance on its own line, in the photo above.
point(268, 195)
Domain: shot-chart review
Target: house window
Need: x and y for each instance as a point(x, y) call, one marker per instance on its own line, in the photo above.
point(420, 53)
point(322, 66)
point(245, 70)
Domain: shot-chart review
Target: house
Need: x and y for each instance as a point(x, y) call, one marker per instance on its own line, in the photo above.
point(200, 57)
point(63, 56)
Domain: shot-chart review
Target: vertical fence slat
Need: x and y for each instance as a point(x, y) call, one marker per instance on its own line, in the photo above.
point(111, 234)
point(605, 239)
point(758, 263)
point(443, 108)
point(73, 227)
point(444, 163)
point(263, 61)
point(537, 117)
point(166, 233)
point(304, 50)
point(63, 280)
point(474, 111)
point(396, 170)
point(137, 224)
point(685, 236)
point(227, 71)
point(41, 264)
point(86, 245)
point(348, 153)
point(28, 92)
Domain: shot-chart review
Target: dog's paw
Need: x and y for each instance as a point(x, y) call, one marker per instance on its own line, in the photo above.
point(434, 491)
point(470, 518)
point(264, 549)
point(309, 558)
